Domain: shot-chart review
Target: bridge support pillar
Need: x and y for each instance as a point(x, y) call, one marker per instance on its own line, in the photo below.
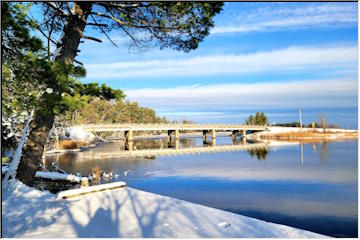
point(177, 134)
point(213, 134)
point(129, 136)
point(243, 133)
point(170, 132)
point(244, 140)
point(129, 146)
point(204, 132)
point(213, 142)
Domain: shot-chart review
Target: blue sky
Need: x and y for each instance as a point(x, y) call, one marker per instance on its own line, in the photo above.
point(271, 57)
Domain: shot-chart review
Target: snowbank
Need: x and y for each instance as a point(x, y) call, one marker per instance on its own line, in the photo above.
point(125, 212)
point(86, 190)
point(58, 176)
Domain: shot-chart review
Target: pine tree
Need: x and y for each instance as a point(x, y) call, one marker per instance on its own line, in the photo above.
point(178, 25)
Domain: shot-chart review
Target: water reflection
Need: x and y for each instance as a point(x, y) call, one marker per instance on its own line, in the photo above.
point(259, 153)
point(313, 194)
point(141, 144)
point(324, 151)
point(187, 142)
point(211, 143)
point(174, 144)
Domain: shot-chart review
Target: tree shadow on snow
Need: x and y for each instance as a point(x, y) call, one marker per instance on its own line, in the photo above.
point(106, 214)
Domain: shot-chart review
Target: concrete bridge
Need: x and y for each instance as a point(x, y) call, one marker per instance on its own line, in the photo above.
point(174, 129)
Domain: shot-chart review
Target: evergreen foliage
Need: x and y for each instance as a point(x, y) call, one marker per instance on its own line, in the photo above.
point(177, 25)
point(290, 124)
point(259, 119)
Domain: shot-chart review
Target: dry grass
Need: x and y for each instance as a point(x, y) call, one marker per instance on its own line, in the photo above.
point(96, 173)
point(311, 140)
point(309, 135)
point(71, 144)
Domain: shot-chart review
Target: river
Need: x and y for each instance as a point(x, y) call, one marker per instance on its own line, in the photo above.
point(308, 186)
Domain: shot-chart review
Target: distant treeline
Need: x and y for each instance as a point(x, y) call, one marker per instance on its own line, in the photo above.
point(310, 125)
point(97, 110)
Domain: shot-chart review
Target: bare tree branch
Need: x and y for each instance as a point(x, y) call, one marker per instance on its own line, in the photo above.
point(78, 62)
point(135, 26)
point(42, 32)
point(103, 31)
point(123, 28)
point(56, 8)
point(107, 16)
point(92, 38)
point(97, 24)
point(49, 38)
point(69, 8)
point(146, 24)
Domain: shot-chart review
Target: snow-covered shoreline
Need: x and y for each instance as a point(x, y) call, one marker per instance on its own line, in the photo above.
point(125, 212)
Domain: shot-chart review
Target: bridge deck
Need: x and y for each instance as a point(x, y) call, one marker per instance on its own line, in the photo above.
point(164, 127)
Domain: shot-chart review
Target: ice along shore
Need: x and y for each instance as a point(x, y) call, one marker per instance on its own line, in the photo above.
point(125, 212)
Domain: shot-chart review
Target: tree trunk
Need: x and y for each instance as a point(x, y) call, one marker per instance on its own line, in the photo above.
point(41, 125)
point(33, 151)
point(73, 32)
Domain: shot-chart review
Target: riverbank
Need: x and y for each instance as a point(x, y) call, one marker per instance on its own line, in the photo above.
point(125, 212)
point(304, 135)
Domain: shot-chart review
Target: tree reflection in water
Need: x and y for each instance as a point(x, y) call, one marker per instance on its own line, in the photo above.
point(259, 153)
point(323, 154)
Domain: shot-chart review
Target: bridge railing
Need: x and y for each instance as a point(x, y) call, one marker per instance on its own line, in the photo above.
point(161, 125)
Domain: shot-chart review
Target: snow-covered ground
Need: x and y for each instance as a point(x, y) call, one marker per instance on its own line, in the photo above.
point(58, 176)
point(297, 129)
point(125, 212)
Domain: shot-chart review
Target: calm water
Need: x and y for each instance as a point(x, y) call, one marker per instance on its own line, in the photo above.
point(312, 187)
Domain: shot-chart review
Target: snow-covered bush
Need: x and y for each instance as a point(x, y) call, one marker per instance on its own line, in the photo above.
point(78, 133)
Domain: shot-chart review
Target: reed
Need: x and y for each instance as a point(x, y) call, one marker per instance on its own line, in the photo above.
point(71, 144)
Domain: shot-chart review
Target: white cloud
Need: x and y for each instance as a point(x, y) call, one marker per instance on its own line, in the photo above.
point(317, 93)
point(252, 173)
point(282, 16)
point(187, 113)
point(292, 58)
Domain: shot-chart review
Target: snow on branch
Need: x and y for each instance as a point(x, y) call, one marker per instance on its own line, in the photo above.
point(56, 8)
point(17, 156)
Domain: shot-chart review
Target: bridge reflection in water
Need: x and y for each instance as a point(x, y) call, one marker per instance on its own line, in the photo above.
point(173, 148)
